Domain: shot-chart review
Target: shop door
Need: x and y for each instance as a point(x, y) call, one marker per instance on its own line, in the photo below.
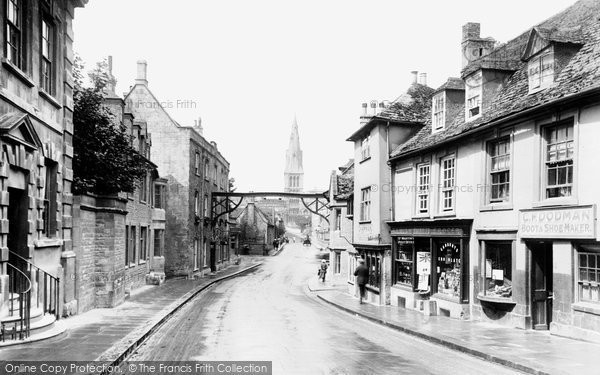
point(541, 285)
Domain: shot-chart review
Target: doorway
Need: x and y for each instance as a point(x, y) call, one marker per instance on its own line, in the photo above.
point(17, 221)
point(541, 284)
point(213, 260)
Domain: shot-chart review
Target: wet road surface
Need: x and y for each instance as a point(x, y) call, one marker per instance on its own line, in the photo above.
point(266, 315)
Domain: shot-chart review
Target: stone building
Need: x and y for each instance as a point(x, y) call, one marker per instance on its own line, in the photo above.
point(193, 168)
point(36, 130)
point(257, 229)
point(342, 255)
point(500, 224)
point(381, 131)
point(119, 240)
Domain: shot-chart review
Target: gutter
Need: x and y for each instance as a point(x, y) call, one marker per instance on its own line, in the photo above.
point(564, 100)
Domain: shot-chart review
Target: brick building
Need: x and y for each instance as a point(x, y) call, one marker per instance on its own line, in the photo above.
point(36, 128)
point(193, 168)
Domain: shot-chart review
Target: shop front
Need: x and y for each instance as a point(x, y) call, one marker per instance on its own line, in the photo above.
point(430, 266)
point(377, 259)
point(563, 270)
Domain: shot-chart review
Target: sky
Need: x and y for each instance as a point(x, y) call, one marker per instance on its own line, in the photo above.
point(246, 68)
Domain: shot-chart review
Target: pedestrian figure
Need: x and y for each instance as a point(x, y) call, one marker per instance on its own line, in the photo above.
point(362, 276)
point(323, 270)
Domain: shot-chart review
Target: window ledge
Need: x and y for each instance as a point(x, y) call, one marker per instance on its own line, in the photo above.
point(372, 289)
point(496, 207)
point(564, 201)
point(142, 262)
point(18, 72)
point(404, 287)
point(365, 222)
point(350, 282)
point(364, 160)
point(49, 98)
point(48, 242)
point(421, 216)
point(587, 307)
point(497, 300)
point(446, 297)
point(445, 215)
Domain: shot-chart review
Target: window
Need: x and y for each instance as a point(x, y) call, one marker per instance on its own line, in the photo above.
point(449, 271)
point(351, 267)
point(197, 164)
point(365, 204)
point(337, 262)
point(47, 41)
point(541, 71)
point(350, 207)
point(196, 254)
point(206, 169)
point(215, 174)
point(438, 112)
point(403, 261)
point(144, 189)
point(423, 182)
point(497, 269)
point(50, 194)
point(365, 151)
point(13, 39)
point(499, 166)
point(447, 183)
point(205, 254)
point(130, 243)
point(589, 276)
point(338, 219)
point(143, 243)
point(559, 160)
point(473, 95)
point(373, 263)
point(159, 242)
point(159, 196)
point(206, 207)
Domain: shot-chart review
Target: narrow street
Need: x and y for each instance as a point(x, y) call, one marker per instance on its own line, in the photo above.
point(266, 315)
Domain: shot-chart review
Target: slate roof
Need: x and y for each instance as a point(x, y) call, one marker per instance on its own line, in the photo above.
point(580, 75)
point(414, 106)
point(453, 83)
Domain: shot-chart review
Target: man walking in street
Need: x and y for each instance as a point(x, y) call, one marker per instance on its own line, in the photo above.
point(362, 276)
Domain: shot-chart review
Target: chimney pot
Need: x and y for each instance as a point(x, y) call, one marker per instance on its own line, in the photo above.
point(142, 77)
point(471, 30)
point(414, 75)
point(423, 79)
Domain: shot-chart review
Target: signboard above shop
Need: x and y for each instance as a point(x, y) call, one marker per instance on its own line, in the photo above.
point(569, 223)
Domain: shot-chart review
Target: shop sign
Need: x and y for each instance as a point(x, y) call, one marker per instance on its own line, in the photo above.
point(428, 232)
point(574, 222)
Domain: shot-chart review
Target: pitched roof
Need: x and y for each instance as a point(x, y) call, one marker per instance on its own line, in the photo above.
point(414, 106)
point(453, 83)
point(580, 75)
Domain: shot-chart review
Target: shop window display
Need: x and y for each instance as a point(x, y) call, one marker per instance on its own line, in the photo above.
point(448, 269)
point(497, 272)
point(404, 260)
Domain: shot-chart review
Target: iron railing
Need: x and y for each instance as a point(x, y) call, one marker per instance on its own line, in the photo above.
point(19, 322)
point(45, 287)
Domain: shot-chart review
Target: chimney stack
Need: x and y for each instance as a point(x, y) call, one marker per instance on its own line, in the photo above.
point(214, 144)
point(423, 79)
point(471, 30)
point(198, 125)
point(415, 75)
point(142, 78)
point(365, 106)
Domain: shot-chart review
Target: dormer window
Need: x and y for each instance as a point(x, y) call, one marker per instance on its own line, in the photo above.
point(473, 96)
point(438, 111)
point(540, 70)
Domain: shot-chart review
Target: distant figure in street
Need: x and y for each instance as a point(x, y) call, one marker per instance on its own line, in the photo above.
point(275, 244)
point(362, 275)
point(323, 270)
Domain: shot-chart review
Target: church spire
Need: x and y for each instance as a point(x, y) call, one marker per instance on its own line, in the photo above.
point(294, 172)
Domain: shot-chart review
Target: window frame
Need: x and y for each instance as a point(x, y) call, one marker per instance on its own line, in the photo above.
point(19, 46)
point(489, 181)
point(419, 191)
point(473, 94)
point(143, 245)
point(579, 283)
point(159, 243)
point(144, 189)
point(338, 219)
point(397, 261)
point(569, 123)
point(365, 205)
point(484, 244)
point(537, 63)
point(197, 160)
point(50, 226)
point(438, 112)
point(365, 148)
point(47, 78)
point(444, 189)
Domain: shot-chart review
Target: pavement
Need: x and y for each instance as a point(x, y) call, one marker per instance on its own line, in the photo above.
point(528, 351)
point(109, 335)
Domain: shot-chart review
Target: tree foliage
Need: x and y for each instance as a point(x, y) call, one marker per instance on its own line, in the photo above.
point(104, 162)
